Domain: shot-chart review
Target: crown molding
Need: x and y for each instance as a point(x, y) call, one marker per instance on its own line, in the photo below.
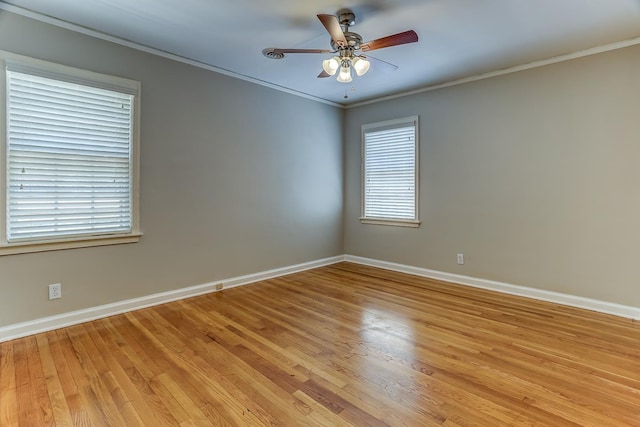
point(158, 52)
point(477, 77)
point(515, 69)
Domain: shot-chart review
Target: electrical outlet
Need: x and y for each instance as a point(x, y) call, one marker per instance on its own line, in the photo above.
point(460, 259)
point(219, 286)
point(55, 291)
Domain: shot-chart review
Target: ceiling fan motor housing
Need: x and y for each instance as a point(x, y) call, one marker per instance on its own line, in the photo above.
point(354, 40)
point(346, 17)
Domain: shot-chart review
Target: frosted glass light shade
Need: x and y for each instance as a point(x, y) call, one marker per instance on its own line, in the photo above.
point(330, 66)
point(345, 75)
point(360, 65)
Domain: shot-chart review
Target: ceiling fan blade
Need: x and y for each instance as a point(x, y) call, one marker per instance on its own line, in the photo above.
point(323, 74)
point(332, 25)
point(276, 50)
point(379, 63)
point(394, 40)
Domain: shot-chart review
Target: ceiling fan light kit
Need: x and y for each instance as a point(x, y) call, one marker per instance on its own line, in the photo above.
point(345, 75)
point(345, 43)
point(360, 65)
point(331, 65)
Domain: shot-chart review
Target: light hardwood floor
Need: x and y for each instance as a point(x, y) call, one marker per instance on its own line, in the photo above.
point(338, 345)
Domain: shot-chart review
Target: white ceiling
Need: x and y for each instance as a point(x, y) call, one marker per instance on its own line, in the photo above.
point(458, 38)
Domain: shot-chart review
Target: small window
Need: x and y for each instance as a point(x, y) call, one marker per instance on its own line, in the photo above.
point(71, 158)
point(390, 172)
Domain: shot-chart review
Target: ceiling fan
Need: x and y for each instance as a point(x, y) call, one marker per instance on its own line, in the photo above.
point(345, 44)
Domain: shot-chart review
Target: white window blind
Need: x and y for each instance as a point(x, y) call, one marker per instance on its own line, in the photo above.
point(69, 159)
point(389, 171)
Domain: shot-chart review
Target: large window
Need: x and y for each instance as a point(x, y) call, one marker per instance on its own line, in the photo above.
point(70, 157)
point(390, 172)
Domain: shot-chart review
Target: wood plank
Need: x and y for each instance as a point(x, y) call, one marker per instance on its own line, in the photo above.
point(28, 412)
point(61, 412)
point(8, 392)
point(78, 412)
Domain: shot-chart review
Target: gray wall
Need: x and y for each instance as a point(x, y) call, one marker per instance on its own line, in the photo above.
point(534, 176)
point(236, 178)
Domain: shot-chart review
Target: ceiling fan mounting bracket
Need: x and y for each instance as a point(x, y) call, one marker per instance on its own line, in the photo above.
point(346, 17)
point(272, 53)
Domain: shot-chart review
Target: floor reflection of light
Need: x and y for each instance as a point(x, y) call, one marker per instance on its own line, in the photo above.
point(386, 354)
point(387, 325)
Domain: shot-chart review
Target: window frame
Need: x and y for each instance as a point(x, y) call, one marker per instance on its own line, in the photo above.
point(390, 124)
point(87, 78)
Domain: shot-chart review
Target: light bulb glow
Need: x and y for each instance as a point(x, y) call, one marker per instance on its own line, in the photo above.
point(331, 65)
point(345, 74)
point(360, 65)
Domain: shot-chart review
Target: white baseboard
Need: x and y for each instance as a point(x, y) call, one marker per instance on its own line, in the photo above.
point(44, 324)
point(539, 294)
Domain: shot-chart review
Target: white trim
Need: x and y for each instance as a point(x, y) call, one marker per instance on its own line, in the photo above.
point(392, 222)
point(97, 34)
point(52, 70)
point(69, 243)
point(387, 125)
point(44, 324)
point(102, 36)
point(4, 164)
point(14, 62)
point(515, 69)
point(506, 288)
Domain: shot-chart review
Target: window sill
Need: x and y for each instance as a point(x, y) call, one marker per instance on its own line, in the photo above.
point(55, 245)
point(412, 223)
